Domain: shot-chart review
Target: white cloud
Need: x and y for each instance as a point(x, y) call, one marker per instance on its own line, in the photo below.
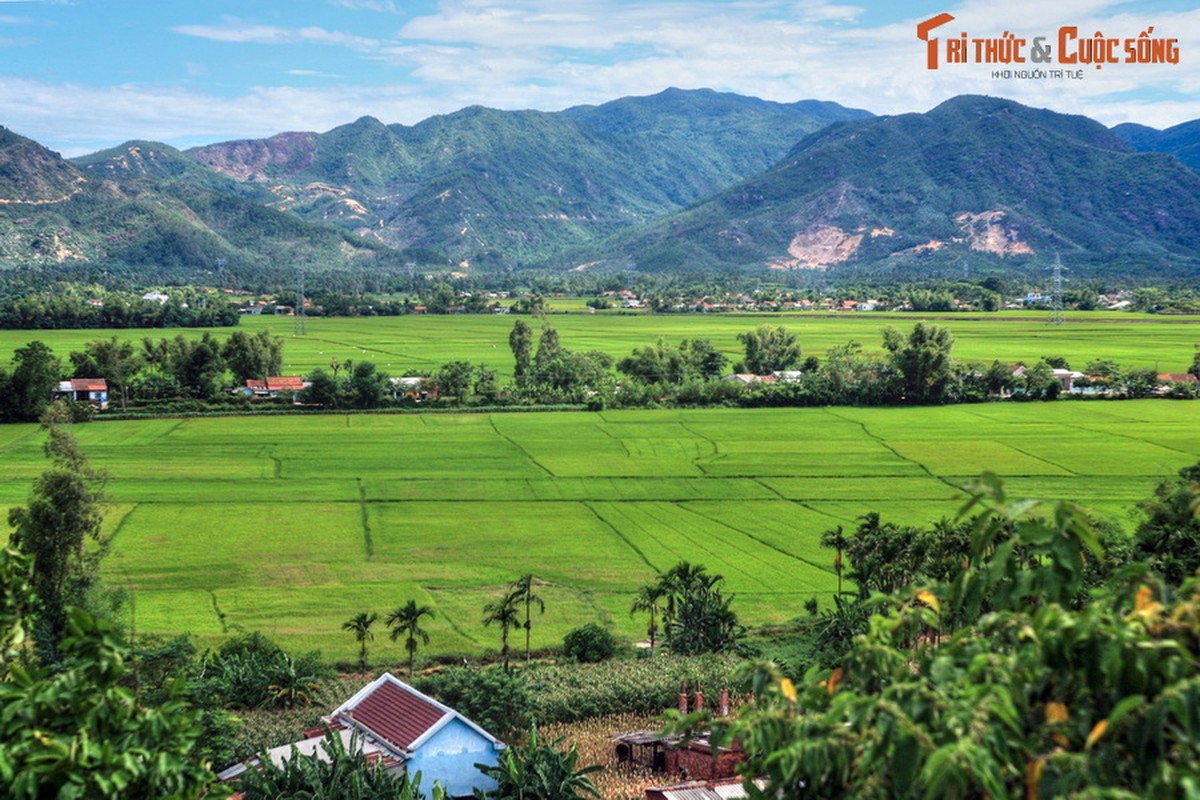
point(245, 32)
point(534, 54)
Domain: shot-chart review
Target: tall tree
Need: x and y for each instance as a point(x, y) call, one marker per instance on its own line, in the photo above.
point(504, 613)
point(522, 592)
point(769, 349)
point(923, 361)
point(520, 341)
point(360, 625)
point(258, 356)
point(59, 529)
point(35, 376)
point(405, 621)
point(647, 599)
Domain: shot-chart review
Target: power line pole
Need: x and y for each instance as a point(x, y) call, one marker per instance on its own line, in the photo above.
point(298, 314)
point(1056, 299)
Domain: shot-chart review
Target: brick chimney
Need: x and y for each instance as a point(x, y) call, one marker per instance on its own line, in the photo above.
point(683, 698)
point(724, 706)
point(699, 698)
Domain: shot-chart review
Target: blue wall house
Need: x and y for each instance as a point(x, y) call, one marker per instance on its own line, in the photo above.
point(406, 730)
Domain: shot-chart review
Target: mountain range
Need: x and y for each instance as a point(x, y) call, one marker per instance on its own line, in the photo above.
point(678, 181)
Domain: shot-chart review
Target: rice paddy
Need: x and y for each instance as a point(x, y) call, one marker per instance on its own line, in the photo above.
point(291, 525)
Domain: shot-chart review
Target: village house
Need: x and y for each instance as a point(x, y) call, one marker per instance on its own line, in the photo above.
point(84, 390)
point(691, 758)
point(272, 386)
point(402, 730)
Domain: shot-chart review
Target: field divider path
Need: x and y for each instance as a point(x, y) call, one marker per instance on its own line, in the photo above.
point(884, 444)
point(1045, 460)
point(614, 437)
point(520, 448)
point(716, 448)
point(588, 505)
point(432, 590)
point(368, 542)
point(8, 445)
point(1130, 437)
point(763, 542)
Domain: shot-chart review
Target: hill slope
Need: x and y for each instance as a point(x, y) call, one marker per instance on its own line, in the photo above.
point(513, 187)
point(979, 177)
point(1181, 141)
point(147, 205)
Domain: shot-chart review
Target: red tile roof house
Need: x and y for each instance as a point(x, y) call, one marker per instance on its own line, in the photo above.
point(84, 390)
point(405, 730)
point(272, 386)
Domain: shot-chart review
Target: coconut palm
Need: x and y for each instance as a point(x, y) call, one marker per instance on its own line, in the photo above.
point(522, 592)
point(360, 625)
point(503, 612)
point(406, 621)
point(647, 599)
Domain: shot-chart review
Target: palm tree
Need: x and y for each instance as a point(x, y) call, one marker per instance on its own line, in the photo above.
point(502, 612)
point(407, 620)
point(360, 625)
point(522, 592)
point(681, 580)
point(647, 599)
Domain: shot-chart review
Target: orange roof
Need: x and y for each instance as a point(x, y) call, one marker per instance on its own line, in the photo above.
point(89, 385)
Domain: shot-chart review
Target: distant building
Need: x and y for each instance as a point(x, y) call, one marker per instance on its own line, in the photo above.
point(273, 386)
point(156, 297)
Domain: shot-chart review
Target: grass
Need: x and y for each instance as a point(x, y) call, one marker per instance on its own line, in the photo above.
point(291, 525)
point(424, 343)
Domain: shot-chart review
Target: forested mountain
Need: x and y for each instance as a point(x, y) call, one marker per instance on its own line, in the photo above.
point(681, 180)
point(147, 205)
point(976, 177)
point(1181, 141)
point(512, 188)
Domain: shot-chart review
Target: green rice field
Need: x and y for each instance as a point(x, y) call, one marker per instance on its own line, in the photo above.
point(424, 343)
point(291, 525)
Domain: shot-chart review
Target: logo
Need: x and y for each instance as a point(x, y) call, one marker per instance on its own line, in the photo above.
point(1066, 47)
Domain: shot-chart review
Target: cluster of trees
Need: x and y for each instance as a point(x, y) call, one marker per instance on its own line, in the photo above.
point(354, 384)
point(686, 604)
point(71, 306)
point(160, 369)
point(1017, 652)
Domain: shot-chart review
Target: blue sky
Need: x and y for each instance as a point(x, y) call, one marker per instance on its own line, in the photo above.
point(81, 75)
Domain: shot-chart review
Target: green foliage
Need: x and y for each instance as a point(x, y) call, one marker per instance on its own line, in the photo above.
point(1168, 539)
point(923, 360)
point(620, 686)
point(345, 773)
point(251, 671)
point(693, 359)
point(35, 375)
point(59, 529)
point(405, 621)
point(494, 699)
point(699, 619)
point(994, 681)
point(78, 733)
point(539, 770)
point(257, 356)
point(504, 613)
point(360, 625)
point(589, 644)
point(769, 350)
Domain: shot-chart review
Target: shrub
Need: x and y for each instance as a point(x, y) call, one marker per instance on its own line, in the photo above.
point(494, 699)
point(589, 644)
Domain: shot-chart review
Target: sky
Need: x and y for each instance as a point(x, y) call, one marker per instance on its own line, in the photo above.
point(82, 75)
